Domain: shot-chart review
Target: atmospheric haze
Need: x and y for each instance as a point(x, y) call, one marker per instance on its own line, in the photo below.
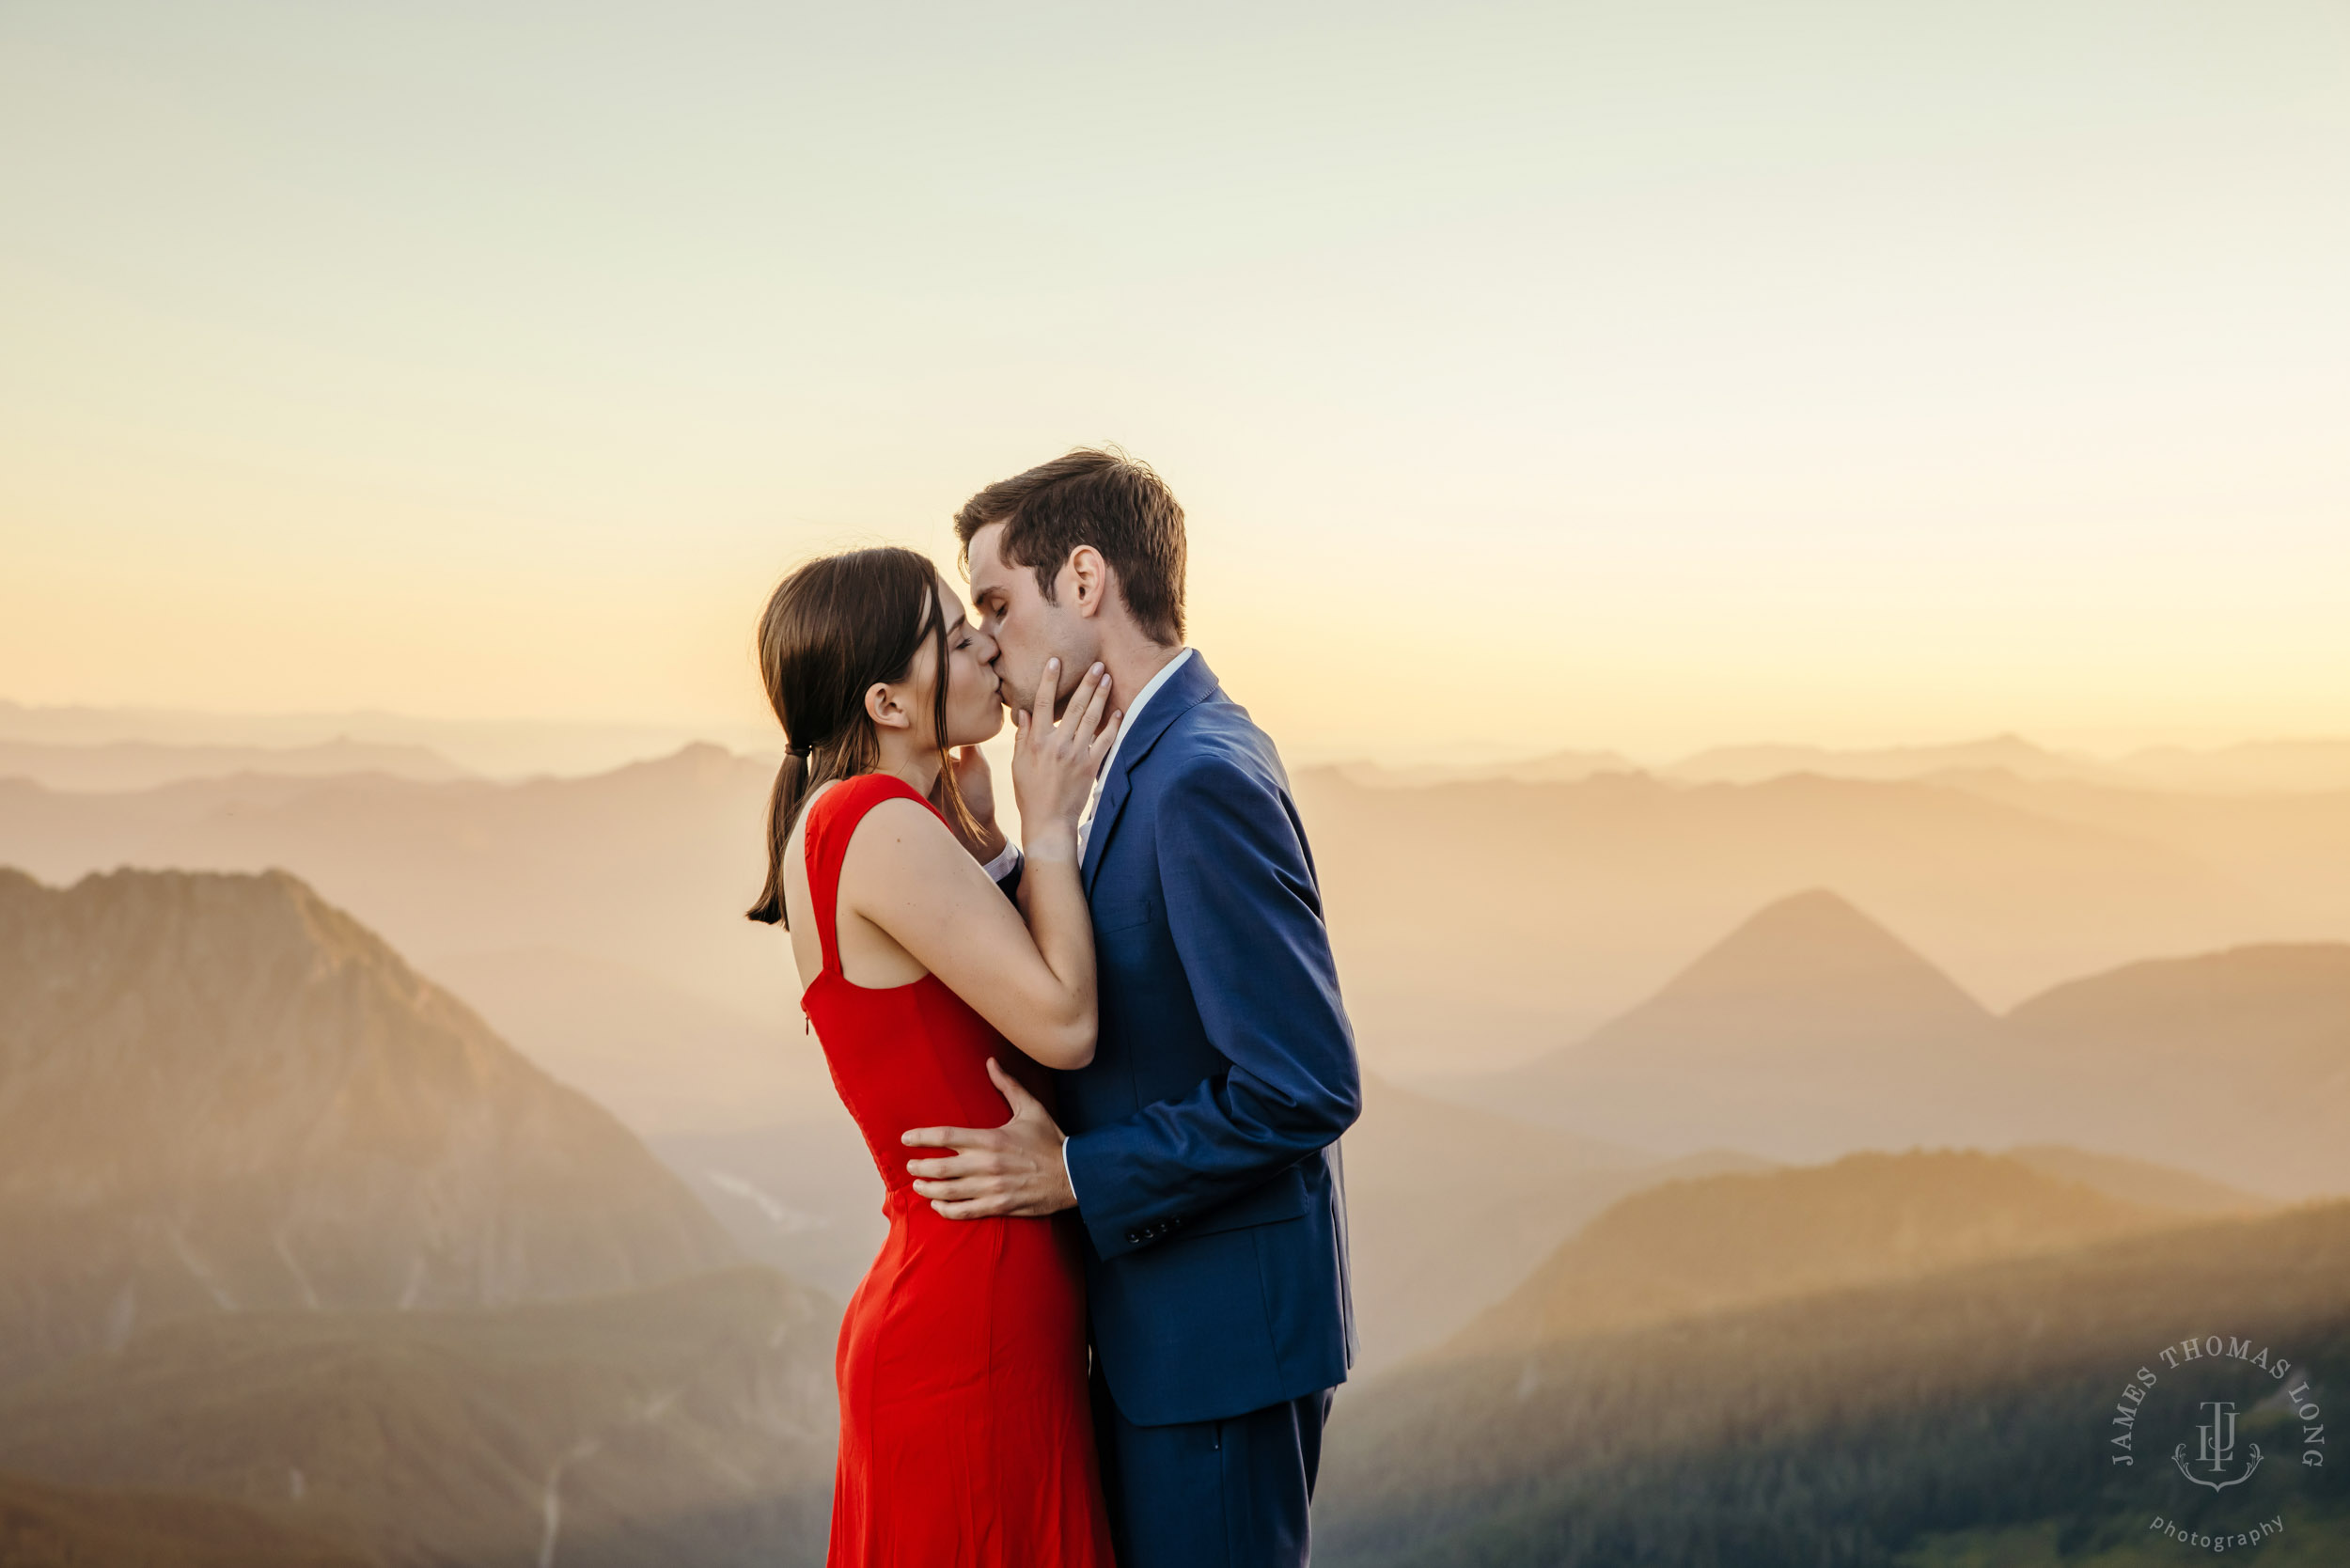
point(1795, 554)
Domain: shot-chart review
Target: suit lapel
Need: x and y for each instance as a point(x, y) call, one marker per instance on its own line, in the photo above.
point(1184, 690)
point(1114, 794)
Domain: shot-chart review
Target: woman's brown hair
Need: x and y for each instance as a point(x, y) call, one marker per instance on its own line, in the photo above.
point(833, 630)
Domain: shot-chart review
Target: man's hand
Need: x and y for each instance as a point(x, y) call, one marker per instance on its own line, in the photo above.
point(1012, 1170)
point(978, 786)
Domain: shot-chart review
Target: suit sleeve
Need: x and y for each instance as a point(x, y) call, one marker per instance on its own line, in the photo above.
point(1246, 916)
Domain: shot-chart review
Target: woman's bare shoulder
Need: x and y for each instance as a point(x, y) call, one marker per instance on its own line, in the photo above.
point(898, 834)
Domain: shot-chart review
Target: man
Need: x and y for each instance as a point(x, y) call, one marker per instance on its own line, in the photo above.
point(1201, 1148)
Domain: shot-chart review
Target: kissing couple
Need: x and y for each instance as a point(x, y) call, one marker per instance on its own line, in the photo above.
point(1107, 1329)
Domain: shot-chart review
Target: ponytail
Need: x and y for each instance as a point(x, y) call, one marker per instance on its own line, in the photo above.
point(783, 808)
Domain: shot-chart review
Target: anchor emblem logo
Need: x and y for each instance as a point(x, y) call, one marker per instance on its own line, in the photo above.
point(2214, 1449)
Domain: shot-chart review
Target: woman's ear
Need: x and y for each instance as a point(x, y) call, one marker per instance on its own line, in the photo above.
point(883, 707)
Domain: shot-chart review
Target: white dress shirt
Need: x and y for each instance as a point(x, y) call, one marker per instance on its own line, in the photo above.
point(1133, 711)
point(1006, 860)
point(1085, 821)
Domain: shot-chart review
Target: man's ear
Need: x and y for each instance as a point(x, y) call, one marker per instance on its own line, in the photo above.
point(883, 707)
point(1090, 580)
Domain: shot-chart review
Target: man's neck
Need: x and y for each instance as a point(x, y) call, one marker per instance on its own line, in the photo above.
point(1132, 666)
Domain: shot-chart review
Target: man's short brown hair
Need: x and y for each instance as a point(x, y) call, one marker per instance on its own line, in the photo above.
point(1097, 496)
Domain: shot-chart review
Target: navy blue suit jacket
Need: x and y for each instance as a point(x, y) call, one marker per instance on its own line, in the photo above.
point(1202, 1136)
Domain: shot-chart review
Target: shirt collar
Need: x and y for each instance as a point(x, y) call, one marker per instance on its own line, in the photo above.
point(1134, 709)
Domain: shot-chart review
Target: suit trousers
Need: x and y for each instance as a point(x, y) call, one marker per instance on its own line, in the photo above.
point(1228, 1494)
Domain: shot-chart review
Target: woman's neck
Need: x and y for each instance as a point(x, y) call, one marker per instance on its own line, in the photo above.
point(918, 767)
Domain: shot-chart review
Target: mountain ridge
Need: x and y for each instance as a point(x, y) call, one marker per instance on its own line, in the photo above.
point(1841, 1428)
point(686, 1422)
point(1690, 1247)
point(220, 1093)
point(1807, 1031)
point(1811, 1032)
point(124, 766)
point(1485, 921)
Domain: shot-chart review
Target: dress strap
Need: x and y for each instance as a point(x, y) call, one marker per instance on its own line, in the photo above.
point(832, 821)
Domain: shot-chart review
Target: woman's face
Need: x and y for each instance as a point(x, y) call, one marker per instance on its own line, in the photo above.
point(975, 711)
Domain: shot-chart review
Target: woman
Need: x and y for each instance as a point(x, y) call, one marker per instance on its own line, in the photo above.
point(965, 1436)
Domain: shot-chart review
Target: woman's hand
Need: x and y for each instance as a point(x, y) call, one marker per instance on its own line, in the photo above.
point(1053, 765)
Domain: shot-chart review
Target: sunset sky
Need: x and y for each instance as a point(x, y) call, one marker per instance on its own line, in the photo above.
point(1644, 375)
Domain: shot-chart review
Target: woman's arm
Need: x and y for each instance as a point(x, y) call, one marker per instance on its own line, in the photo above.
point(907, 873)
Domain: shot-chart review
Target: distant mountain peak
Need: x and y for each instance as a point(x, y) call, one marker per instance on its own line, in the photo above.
point(218, 1091)
point(1804, 942)
point(699, 762)
point(1808, 1029)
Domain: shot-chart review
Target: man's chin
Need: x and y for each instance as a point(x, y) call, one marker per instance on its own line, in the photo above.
point(1015, 695)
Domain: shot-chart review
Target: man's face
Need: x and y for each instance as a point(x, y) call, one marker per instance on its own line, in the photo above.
point(1028, 627)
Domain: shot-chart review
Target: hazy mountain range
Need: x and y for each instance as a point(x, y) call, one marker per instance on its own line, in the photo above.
point(498, 748)
point(1893, 1360)
point(677, 1062)
point(1811, 1031)
point(287, 1228)
point(143, 765)
point(628, 887)
point(519, 748)
point(802, 1197)
point(303, 1254)
point(1706, 1244)
point(1448, 1207)
point(595, 923)
point(1478, 923)
point(690, 1423)
point(1681, 1007)
point(219, 1092)
point(2246, 767)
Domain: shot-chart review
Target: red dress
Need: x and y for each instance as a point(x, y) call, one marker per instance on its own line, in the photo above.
point(966, 1440)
